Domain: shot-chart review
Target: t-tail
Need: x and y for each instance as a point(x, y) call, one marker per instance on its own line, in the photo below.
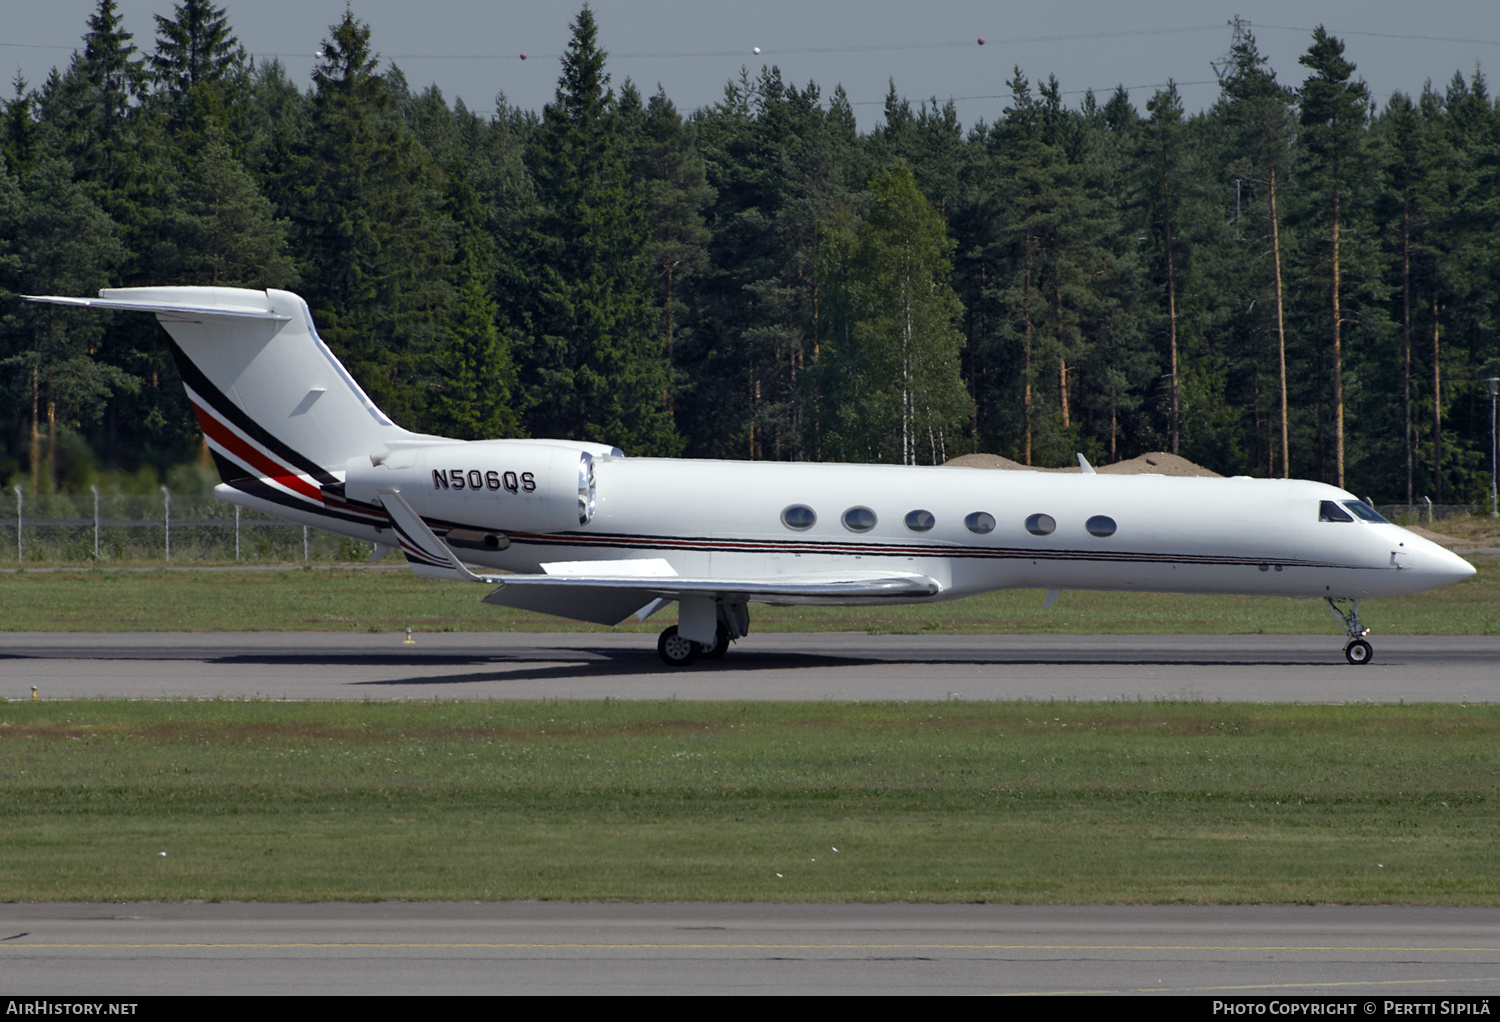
point(281, 415)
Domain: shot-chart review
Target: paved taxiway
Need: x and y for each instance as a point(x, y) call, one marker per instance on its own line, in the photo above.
point(1349, 952)
point(303, 665)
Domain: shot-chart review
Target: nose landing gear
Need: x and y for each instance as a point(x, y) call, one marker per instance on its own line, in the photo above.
point(1358, 651)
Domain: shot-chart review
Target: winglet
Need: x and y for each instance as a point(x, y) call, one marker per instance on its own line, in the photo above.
point(1084, 466)
point(428, 556)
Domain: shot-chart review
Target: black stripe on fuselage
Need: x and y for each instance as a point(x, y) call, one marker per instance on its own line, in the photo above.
point(262, 490)
point(686, 544)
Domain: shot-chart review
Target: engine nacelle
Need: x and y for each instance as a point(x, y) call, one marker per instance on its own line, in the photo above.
point(499, 485)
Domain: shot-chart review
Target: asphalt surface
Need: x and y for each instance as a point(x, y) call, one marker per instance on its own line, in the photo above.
point(847, 666)
point(1358, 954)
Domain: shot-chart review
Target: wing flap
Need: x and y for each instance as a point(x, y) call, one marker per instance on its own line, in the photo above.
point(824, 587)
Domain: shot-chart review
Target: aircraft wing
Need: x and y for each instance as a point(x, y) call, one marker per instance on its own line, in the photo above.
point(607, 592)
point(608, 599)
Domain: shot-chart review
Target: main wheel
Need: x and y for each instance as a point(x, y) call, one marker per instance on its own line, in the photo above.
point(1358, 652)
point(675, 651)
point(720, 646)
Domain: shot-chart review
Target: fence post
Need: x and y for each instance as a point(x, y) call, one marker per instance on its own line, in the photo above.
point(96, 521)
point(166, 496)
point(304, 545)
point(236, 532)
point(20, 547)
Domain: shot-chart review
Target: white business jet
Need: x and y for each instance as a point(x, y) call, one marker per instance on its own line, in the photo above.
point(593, 535)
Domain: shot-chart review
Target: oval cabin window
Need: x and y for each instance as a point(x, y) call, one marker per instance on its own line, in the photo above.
point(859, 519)
point(1100, 525)
point(799, 517)
point(980, 522)
point(920, 521)
point(1041, 525)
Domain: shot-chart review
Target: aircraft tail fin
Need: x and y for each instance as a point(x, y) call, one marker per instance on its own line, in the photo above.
point(280, 413)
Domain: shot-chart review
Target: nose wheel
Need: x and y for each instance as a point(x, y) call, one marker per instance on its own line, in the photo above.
point(1358, 651)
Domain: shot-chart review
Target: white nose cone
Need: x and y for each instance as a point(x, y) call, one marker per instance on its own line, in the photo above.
point(1432, 565)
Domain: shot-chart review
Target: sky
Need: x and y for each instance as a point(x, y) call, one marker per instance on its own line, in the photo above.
point(928, 48)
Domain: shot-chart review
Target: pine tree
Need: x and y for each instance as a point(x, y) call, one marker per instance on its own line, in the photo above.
point(363, 199)
point(1162, 145)
point(674, 193)
point(1334, 110)
point(592, 358)
point(1258, 109)
point(890, 374)
point(21, 139)
point(54, 240)
point(195, 48)
point(225, 229)
point(477, 375)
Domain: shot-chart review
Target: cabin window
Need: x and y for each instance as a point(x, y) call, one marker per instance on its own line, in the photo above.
point(1100, 525)
point(1041, 525)
point(980, 522)
point(920, 521)
point(859, 519)
point(799, 517)
point(1328, 511)
point(1364, 512)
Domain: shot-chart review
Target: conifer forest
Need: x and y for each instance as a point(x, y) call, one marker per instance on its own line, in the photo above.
point(1299, 280)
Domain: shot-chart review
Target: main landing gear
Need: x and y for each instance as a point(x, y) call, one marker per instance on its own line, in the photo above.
point(1358, 651)
point(679, 651)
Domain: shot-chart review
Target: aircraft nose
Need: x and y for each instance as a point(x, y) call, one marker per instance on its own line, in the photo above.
point(1444, 567)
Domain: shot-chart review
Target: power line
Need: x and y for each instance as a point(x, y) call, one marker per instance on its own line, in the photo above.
point(1061, 92)
point(1389, 35)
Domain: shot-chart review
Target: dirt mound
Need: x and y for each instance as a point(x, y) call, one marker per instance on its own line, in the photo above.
point(982, 461)
point(1155, 463)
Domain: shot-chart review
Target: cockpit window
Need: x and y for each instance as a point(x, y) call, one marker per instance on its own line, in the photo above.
point(1364, 512)
point(1328, 511)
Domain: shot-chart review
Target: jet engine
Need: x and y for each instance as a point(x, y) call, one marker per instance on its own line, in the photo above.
point(489, 487)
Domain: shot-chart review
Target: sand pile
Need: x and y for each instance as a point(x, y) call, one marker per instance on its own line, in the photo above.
point(1154, 463)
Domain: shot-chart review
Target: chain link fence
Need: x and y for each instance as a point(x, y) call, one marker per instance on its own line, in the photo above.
point(114, 528)
point(1425, 512)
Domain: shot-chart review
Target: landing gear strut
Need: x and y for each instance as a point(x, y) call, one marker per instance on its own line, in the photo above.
point(678, 651)
point(1358, 651)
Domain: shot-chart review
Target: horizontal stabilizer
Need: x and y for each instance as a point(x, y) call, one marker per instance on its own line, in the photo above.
point(240, 303)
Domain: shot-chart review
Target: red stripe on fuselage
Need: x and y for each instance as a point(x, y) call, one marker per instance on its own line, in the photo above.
point(258, 460)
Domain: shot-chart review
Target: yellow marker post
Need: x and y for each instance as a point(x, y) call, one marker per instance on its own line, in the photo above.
point(409, 640)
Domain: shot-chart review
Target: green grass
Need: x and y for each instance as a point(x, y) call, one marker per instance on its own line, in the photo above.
point(348, 599)
point(1033, 802)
